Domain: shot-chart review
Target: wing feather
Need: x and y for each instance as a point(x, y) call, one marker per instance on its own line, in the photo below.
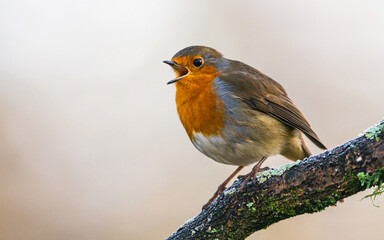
point(266, 95)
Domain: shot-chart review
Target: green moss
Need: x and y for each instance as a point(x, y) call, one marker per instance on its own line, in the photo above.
point(376, 179)
point(277, 207)
point(281, 206)
point(264, 175)
point(319, 205)
point(212, 230)
point(374, 131)
point(249, 205)
point(230, 191)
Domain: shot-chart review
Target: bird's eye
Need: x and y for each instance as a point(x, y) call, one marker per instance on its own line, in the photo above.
point(198, 62)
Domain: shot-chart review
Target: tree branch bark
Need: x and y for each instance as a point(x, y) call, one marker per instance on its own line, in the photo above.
point(307, 186)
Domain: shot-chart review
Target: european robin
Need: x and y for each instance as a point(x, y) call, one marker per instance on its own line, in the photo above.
point(235, 114)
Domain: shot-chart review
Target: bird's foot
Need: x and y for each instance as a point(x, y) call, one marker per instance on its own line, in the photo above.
point(256, 169)
point(219, 190)
point(246, 175)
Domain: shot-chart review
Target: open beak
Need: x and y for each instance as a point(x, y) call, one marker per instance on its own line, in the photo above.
point(181, 71)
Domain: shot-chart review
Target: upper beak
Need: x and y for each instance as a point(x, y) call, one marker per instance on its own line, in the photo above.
point(181, 71)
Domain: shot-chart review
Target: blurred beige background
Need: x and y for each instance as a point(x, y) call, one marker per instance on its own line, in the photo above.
point(91, 146)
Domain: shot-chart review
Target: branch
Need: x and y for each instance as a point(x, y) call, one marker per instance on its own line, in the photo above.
point(305, 186)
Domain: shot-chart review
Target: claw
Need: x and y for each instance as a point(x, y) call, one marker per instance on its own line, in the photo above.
point(256, 169)
point(219, 191)
point(221, 187)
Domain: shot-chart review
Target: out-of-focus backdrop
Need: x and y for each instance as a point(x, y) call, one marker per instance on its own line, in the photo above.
point(91, 146)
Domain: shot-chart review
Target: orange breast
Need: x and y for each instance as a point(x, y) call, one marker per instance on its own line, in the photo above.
point(199, 109)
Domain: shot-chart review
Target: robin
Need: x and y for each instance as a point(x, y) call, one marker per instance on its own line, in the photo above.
point(235, 114)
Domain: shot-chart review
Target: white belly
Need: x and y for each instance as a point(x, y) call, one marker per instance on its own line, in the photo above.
point(225, 151)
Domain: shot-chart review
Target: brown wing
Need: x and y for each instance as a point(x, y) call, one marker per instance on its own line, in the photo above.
point(284, 110)
point(266, 95)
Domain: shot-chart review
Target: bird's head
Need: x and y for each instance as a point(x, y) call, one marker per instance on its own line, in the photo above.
point(196, 64)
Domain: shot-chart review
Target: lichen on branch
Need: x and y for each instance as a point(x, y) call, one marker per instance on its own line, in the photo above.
point(305, 186)
point(374, 131)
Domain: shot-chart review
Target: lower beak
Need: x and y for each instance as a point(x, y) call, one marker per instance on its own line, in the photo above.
point(181, 71)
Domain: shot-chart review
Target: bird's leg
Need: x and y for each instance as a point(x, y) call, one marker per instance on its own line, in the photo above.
point(221, 187)
point(260, 170)
point(257, 168)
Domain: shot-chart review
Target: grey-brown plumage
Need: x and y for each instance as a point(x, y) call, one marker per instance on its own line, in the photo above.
point(266, 95)
point(258, 117)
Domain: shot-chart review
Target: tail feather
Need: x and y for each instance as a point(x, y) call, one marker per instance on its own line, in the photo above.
point(305, 147)
point(296, 149)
